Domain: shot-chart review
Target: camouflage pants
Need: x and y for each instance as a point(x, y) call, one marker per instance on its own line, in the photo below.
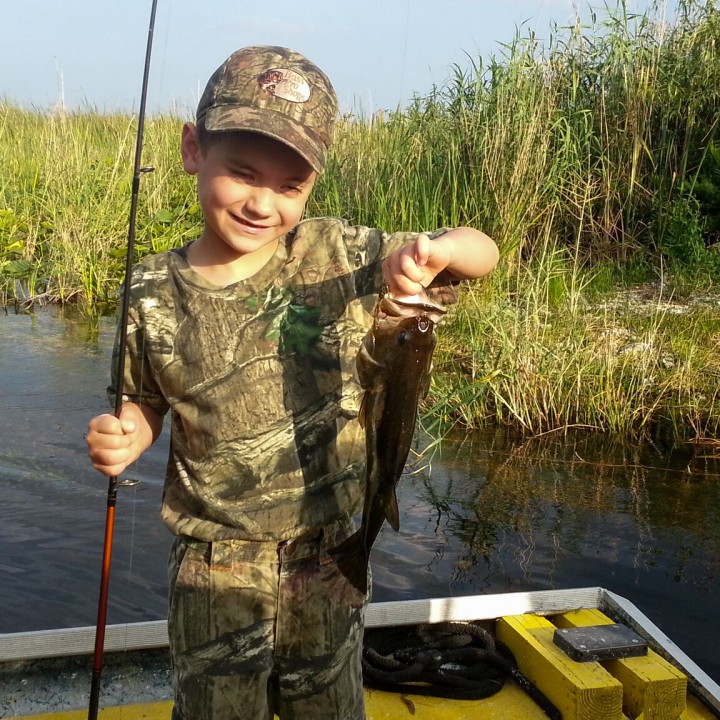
point(259, 628)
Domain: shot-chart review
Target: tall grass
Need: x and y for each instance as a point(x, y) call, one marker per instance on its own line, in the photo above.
point(632, 366)
point(64, 198)
point(593, 159)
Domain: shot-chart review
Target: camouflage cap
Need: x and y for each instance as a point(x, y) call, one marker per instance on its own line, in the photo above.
point(276, 92)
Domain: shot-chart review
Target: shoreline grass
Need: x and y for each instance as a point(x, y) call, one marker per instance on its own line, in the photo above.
point(594, 162)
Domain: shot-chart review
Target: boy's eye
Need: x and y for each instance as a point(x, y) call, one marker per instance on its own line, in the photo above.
point(241, 173)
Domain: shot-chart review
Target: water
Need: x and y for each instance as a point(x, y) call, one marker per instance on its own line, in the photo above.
point(53, 375)
point(489, 514)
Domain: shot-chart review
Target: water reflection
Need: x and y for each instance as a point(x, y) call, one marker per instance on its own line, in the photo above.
point(496, 514)
point(489, 514)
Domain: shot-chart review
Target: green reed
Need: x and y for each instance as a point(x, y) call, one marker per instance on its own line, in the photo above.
point(593, 159)
point(64, 203)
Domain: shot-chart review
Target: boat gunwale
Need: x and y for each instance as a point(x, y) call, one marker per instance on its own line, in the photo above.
point(39, 644)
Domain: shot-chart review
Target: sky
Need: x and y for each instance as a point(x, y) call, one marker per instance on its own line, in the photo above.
point(378, 53)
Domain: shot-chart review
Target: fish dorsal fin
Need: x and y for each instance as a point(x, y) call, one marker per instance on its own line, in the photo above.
point(392, 514)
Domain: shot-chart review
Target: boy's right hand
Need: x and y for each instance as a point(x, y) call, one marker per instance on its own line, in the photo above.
point(114, 443)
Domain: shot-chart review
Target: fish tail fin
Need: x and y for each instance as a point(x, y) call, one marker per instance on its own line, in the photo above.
point(352, 559)
point(392, 514)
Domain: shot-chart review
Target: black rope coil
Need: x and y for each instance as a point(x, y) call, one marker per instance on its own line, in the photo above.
point(450, 660)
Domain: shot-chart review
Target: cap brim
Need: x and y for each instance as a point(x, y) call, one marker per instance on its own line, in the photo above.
point(279, 127)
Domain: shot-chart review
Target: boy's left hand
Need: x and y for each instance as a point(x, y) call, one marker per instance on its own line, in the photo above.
point(412, 268)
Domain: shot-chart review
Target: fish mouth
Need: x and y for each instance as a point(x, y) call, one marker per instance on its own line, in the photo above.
point(424, 324)
point(403, 308)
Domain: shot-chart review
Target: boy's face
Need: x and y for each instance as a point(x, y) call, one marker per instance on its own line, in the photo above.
point(252, 189)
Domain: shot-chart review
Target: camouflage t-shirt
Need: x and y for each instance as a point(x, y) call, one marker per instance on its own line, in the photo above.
point(259, 377)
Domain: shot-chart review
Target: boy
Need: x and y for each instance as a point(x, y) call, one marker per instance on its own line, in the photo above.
point(248, 335)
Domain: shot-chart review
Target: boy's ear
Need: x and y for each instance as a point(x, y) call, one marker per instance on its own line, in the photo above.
point(189, 148)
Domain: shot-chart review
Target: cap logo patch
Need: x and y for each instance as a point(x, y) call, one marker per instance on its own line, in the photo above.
point(285, 84)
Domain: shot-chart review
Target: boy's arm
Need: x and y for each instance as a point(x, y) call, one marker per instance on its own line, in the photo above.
point(114, 443)
point(464, 252)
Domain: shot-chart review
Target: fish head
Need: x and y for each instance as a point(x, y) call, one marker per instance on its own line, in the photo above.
point(402, 336)
point(415, 331)
point(403, 344)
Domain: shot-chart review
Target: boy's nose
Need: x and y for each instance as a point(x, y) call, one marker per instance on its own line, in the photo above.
point(260, 201)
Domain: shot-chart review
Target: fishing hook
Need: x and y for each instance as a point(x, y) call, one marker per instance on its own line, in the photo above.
point(113, 482)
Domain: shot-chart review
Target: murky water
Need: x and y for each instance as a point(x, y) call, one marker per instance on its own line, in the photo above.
point(490, 514)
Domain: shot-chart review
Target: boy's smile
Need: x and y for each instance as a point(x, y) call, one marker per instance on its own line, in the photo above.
point(252, 190)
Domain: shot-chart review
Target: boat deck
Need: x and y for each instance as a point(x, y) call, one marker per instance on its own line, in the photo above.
point(510, 704)
point(143, 678)
point(45, 675)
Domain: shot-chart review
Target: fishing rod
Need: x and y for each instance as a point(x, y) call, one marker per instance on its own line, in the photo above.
point(113, 481)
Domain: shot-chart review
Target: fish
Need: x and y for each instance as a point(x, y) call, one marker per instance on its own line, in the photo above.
point(393, 368)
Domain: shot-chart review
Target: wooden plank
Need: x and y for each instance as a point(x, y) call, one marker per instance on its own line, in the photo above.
point(580, 691)
point(622, 609)
point(652, 686)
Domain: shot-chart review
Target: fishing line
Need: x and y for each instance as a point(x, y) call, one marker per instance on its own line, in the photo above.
point(133, 518)
point(133, 481)
point(114, 482)
point(167, 21)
